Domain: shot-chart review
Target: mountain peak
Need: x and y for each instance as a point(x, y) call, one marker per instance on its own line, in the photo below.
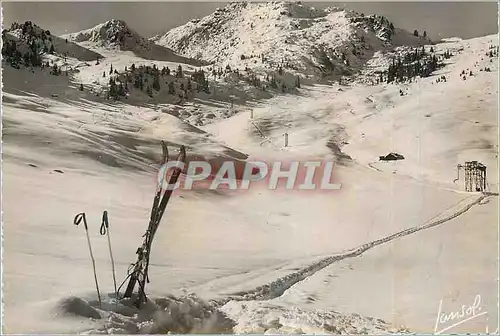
point(312, 41)
point(113, 33)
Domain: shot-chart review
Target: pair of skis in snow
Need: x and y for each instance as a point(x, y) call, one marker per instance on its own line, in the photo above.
point(139, 273)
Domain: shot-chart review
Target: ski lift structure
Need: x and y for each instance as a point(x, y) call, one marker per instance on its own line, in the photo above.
point(474, 176)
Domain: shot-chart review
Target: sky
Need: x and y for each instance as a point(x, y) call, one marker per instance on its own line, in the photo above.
point(439, 19)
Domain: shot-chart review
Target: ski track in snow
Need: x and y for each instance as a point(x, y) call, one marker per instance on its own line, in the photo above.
point(278, 287)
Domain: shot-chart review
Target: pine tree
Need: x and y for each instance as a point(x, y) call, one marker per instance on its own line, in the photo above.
point(121, 90)
point(156, 83)
point(55, 70)
point(111, 69)
point(274, 83)
point(81, 87)
point(113, 92)
point(425, 33)
point(179, 73)
point(26, 58)
point(283, 87)
point(415, 33)
point(104, 74)
point(171, 88)
point(137, 82)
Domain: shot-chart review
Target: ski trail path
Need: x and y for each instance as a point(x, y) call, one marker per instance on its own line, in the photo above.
point(276, 288)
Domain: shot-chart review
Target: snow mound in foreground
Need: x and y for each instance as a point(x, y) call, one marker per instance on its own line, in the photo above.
point(190, 314)
point(78, 307)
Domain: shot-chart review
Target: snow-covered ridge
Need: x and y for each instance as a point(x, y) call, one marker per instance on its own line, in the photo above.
point(111, 34)
point(311, 41)
point(117, 35)
point(28, 37)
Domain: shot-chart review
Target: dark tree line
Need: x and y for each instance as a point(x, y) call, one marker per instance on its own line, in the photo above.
point(415, 63)
point(150, 79)
point(200, 78)
point(116, 90)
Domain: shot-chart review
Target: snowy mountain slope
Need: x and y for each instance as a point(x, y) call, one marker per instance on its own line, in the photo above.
point(87, 124)
point(193, 95)
point(67, 151)
point(450, 121)
point(116, 34)
point(432, 259)
point(292, 35)
point(185, 98)
point(22, 33)
point(437, 124)
point(104, 148)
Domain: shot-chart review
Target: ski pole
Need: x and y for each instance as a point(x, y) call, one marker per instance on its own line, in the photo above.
point(78, 219)
point(105, 231)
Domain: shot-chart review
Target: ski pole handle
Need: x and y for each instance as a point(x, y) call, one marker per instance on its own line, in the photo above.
point(78, 219)
point(105, 224)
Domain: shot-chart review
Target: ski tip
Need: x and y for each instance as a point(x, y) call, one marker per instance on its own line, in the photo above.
point(164, 151)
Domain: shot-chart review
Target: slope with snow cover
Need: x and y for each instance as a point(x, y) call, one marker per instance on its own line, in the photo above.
point(224, 245)
point(268, 35)
point(116, 34)
point(436, 126)
point(62, 46)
